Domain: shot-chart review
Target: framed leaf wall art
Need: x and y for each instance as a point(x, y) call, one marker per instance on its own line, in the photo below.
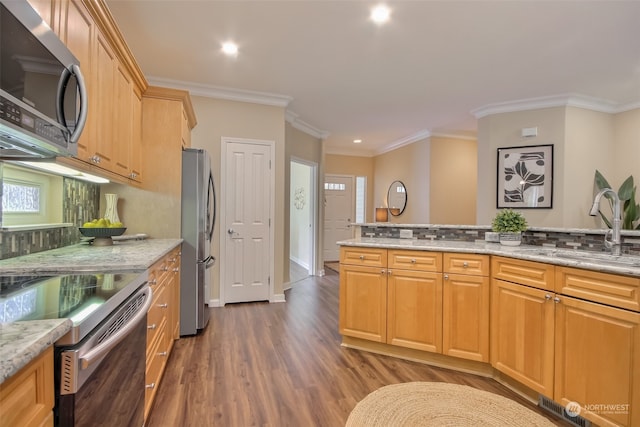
point(525, 177)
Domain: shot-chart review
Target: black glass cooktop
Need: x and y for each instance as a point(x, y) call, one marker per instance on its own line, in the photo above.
point(85, 298)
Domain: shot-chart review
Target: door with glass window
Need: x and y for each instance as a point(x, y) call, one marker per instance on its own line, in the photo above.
point(339, 210)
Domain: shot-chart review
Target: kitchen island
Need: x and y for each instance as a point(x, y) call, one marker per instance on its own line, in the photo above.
point(22, 341)
point(541, 319)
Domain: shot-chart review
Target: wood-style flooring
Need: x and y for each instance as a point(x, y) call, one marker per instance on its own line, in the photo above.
point(281, 364)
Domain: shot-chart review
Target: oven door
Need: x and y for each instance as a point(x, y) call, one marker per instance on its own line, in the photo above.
point(100, 382)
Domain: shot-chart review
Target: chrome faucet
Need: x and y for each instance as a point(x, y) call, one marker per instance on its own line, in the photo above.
point(615, 243)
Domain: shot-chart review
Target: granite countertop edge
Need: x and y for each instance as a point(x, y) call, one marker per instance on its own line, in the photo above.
point(22, 341)
point(603, 263)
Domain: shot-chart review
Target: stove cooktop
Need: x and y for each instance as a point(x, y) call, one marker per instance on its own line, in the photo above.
point(85, 298)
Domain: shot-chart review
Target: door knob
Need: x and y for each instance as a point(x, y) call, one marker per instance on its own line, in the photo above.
point(230, 231)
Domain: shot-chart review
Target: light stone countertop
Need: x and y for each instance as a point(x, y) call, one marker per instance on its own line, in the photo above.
point(20, 342)
point(625, 264)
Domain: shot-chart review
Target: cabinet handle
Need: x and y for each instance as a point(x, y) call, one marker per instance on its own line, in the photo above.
point(162, 354)
point(151, 386)
point(153, 282)
point(547, 297)
point(465, 264)
point(173, 259)
point(152, 326)
point(556, 300)
point(165, 305)
point(133, 175)
point(446, 277)
point(165, 268)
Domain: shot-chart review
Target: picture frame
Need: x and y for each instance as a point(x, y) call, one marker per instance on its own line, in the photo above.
point(525, 177)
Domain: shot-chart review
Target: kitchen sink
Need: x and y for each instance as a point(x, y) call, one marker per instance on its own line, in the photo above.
point(591, 257)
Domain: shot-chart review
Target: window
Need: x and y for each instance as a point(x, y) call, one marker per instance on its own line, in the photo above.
point(334, 186)
point(20, 197)
point(361, 199)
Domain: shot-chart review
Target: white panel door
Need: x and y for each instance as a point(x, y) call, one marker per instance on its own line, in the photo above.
point(247, 208)
point(338, 213)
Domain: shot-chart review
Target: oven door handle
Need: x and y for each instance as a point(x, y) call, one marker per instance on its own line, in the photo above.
point(96, 353)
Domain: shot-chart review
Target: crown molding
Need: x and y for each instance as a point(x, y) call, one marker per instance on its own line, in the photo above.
point(359, 152)
point(423, 134)
point(220, 92)
point(303, 126)
point(564, 100)
point(455, 136)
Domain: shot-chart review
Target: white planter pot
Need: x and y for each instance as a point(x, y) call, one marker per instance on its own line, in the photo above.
point(511, 239)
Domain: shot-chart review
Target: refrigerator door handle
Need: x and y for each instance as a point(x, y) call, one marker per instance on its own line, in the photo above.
point(211, 201)
point(210, 262)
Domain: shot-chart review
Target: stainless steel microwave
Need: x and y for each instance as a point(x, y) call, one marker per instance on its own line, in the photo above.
point(43, 98)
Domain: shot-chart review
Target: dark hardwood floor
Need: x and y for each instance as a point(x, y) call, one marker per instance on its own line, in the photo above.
point(281, 364)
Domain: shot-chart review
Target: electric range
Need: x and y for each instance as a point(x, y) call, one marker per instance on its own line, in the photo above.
point(87, 298)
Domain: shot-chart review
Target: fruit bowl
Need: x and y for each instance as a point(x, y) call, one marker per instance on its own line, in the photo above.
point(101, 232)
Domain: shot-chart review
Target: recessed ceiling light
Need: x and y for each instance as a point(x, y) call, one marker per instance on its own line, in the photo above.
point(380, 14)
point(357, 141)
point(230, 48)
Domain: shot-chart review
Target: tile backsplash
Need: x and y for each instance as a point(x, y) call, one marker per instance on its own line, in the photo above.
point(81, 203)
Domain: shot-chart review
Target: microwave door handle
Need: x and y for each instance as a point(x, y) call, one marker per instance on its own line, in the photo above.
point(62, 86)
point(84, 104)
point(96, 353)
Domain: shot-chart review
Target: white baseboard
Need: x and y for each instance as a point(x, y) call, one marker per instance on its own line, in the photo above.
point(299, 262)
point(278, 298)
point(215, 303)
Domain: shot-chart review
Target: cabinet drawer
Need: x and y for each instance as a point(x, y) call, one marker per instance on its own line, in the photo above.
point(611, 289)
point(415, 260)
point(523, 272)
point(156, 361)
point(157, 312)
point(474, 265)
point(370, 257)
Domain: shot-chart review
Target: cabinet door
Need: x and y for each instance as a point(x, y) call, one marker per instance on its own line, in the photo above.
point(414, 317)
point(103, 103)
point(135, 153)
point(77, 31)
point(465, 316)
point(597, 362)
point(522, 334)
point(122, 122)
point(363, 302)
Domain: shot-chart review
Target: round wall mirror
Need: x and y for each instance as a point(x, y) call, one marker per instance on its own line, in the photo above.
point(397, 198)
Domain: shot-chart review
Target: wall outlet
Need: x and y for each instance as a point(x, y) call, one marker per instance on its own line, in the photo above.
point(406, 234)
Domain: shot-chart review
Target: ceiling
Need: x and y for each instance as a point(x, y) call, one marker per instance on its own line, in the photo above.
point(425, 72)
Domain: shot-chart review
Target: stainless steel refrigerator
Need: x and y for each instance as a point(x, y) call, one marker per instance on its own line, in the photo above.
point(198, 221)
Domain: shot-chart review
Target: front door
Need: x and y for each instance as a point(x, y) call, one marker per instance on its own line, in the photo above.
point(338, 213)
point(247, 210)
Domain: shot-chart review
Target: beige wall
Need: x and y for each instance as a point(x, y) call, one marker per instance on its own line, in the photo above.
point(504, 130)
point(409, 164)
point(627, 147)
point(308, 149)
point(356, 166)
point(219, 118)
point(453, 180)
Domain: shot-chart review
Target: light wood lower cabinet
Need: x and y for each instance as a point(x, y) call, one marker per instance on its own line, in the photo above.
point(566, 348)
point(162, 321)
point(408, 304)
point(27, 398)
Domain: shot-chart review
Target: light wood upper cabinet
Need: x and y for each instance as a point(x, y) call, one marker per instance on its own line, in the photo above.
point(596, 361)
point(135, 149)
point(123, 120)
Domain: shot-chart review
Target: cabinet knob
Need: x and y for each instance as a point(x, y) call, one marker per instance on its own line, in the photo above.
point(165, 305)
point(151, 386)
point(162, 354)
point(556, 300)
point(175, 270)
point(153, 282)
point(153, 326)
point(446, 277)
point(133, 175)
point(165, 268)
point(465, 264)
point(413, 261)
point(547, 297)
point(361, 257)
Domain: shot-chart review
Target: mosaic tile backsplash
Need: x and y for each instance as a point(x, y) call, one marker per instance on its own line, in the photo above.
point(570, 239)
point(81, 203)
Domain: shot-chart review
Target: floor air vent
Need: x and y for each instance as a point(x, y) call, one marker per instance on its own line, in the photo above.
point(557, 409)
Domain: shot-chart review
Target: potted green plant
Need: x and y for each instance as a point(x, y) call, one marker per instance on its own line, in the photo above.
point(627, 196)
point(510, 224)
